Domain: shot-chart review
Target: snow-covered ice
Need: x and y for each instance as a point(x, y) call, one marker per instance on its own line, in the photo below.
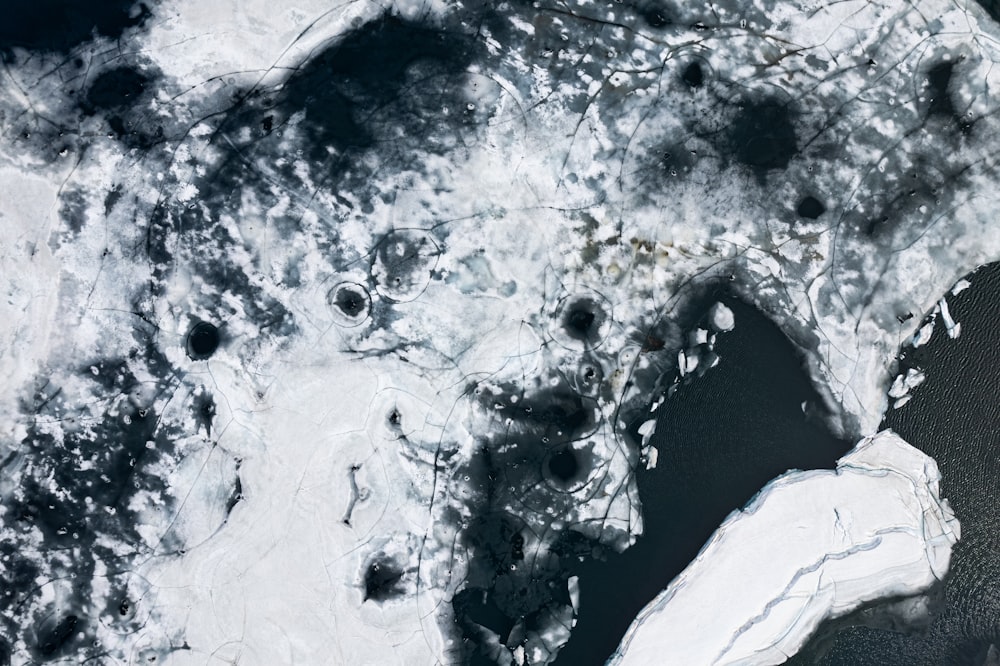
point(437, 288)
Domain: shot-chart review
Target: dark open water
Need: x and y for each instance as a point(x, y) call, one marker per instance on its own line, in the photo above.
point(720, 438)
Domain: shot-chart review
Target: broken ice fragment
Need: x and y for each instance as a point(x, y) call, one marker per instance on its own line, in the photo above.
point(721, 318)
point(652, 455)
point(903, 384)
point(646, 430)
point(899, 402)
point(960, 286)
point(954, 328)
point(924, 334)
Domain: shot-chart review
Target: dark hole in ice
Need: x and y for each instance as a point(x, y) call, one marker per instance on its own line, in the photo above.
point(267, 124)
point(762, 134)
point(54, 638)
point(579, 322)
point(720, 439)
point(589, 377)
point(693, 76)
point(811, 208)
point(202, 341)
point(124, 607)
point(382, 580)
point(564, 465)
point(57, 26)
point(115, 88)
point(582, 318)
point(351, 302)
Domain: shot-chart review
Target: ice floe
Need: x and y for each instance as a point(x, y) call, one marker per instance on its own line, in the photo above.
point(810, 547)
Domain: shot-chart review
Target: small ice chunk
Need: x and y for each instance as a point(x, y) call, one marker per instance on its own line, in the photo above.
point(914, 378)
point(652, 455)
point(898, 388)
point(699, 336)
point(923, 336)
point(573, 585)
point(646, 430)
point(960, 286)
point(903, 384)
point(901, 401)
point(954, 329)
point(691, 361)
point(721, 318)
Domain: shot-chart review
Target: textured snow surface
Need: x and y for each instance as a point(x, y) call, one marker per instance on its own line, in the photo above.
point(810, 547)
point(326, 328)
